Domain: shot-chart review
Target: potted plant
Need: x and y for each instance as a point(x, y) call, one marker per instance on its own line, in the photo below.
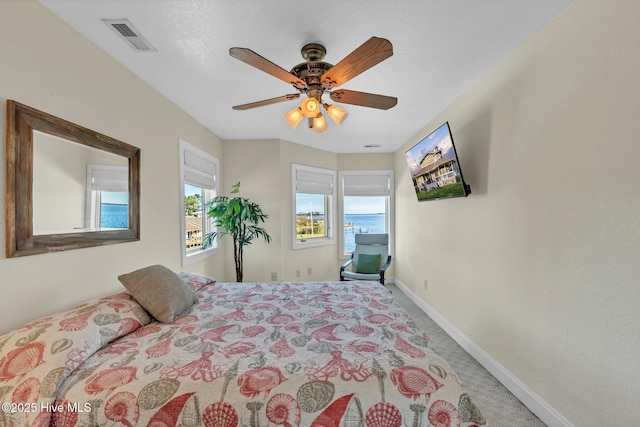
point(239, 218)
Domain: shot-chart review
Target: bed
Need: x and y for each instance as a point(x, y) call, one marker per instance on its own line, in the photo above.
point(245, 354)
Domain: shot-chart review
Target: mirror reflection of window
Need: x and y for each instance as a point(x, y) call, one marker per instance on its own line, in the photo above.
point(77, 188)
point(107, 200)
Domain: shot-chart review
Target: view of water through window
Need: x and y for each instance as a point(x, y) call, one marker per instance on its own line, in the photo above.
point(362, 223)
point(114, 216)
point(114, 209)
point(363, 214)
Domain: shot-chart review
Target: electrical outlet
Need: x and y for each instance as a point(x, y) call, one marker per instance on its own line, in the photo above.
point(297, 273)
point(425, 284)
point(308, 271)
point(274, 276)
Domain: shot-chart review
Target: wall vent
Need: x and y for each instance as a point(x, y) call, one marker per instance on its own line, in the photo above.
point(124, 29)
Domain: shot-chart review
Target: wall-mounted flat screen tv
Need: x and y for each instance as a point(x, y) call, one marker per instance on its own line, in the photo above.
point(435, 169)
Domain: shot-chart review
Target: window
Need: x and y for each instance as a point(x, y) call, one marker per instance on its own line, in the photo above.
point(198, 181)
point(107, 197)
point(366, 206)
point(313, 206)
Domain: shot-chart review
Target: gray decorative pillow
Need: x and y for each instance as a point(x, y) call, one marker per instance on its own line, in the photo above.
point(160, 291)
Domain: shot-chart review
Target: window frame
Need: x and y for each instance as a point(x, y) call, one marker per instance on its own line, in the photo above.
point(190, 256)
point(93, 202)
point(389, 205)
point(330, 215)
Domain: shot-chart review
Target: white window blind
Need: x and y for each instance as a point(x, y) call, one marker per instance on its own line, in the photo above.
point(199, 171)
point(109, 178)
point(312, 182)
point(366, 185)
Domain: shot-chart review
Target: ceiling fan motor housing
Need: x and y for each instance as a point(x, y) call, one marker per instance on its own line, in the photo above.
point(313, 52)
point(312, 70)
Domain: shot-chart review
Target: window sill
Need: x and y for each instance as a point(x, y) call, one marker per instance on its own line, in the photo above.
point(199, 255)
point(312, 243)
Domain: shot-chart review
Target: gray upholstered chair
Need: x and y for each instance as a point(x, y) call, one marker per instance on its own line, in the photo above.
point(367, 245)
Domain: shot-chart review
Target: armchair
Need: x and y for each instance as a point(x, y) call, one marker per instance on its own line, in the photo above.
point(363, 258)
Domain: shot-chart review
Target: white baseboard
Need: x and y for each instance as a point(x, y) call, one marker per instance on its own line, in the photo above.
point(530, 399)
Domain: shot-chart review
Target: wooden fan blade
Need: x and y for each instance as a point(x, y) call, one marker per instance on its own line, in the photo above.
point(370, 53)
point(364, 99)
point(266, 102)
point(250, 57)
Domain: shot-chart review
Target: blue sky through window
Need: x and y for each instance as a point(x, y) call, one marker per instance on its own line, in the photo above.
point(190, 190)
point(309, 203)
point(114, 197)
point(354, 205)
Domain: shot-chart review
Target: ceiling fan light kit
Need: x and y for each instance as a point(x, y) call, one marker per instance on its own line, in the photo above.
point(294, 117)
point(336, 113)
point(319, 125)
point(310, 108)
point(314, 78)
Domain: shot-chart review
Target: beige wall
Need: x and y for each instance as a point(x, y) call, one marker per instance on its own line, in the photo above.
point(59, 184)
point(264, 169)
point(47, 65)
point(373, 161)
point(322, 259)
point(255, 165)
point(540, 265)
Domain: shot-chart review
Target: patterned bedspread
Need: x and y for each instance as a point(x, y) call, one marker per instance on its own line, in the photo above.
point(248, 354)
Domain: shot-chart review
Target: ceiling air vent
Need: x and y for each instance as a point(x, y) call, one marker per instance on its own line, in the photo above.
point(124, 29)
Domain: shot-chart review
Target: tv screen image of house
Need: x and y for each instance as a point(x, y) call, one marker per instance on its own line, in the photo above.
point(434, 166)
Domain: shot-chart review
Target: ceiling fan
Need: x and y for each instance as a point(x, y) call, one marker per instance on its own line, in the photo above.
point(315, 78)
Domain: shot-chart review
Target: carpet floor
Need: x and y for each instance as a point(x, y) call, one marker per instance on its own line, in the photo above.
point(498, 405)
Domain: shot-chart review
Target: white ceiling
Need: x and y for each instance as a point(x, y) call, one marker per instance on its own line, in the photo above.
point(441, 47)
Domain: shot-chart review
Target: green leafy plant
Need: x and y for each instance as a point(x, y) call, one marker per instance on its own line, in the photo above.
point(237, 217)
point(192, 205)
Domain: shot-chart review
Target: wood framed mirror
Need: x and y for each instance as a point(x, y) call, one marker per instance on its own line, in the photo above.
point(68, 187)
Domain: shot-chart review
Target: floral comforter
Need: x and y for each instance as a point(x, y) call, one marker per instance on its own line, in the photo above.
point(248, 354)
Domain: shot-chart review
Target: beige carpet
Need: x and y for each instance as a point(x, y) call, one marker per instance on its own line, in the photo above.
point(498, 405)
